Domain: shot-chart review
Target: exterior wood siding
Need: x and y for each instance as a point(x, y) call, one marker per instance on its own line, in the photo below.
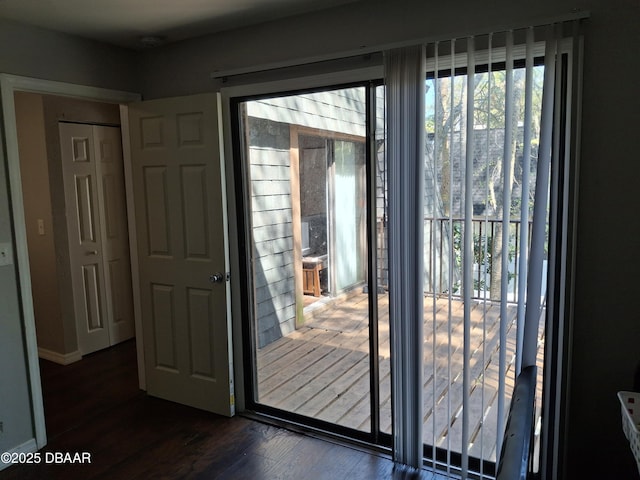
point(272, 229)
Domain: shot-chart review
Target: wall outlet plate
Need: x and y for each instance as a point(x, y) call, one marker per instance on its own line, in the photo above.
point(6, 254)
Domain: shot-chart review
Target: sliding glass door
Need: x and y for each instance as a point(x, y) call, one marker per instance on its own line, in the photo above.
point(316, 203)
point(348, 213)
point(312, 290)
point(312, 168)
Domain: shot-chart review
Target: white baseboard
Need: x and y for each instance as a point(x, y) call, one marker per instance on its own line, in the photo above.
point(26, 447)
point(60, 358)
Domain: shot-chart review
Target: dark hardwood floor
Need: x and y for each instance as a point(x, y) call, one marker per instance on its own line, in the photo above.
point(95, 406)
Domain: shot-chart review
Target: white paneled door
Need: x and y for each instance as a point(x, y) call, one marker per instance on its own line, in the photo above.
point(179, 205)
point(97, 233)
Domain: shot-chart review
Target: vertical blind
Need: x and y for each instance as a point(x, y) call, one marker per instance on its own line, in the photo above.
point(469, 189)
point(405, 113)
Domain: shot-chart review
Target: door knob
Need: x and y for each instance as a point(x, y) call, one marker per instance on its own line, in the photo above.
point(216, 278)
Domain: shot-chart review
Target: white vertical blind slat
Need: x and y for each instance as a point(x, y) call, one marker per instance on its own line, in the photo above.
point(485, 242)
point(524, 204)
point(434, 258)
point(468, 259)
point(538, 228)
point(404, 75)
point(451, 243)
point(506, 217)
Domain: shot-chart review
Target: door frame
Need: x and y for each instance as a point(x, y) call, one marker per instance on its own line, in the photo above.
point(234, 209)
point(9, 84)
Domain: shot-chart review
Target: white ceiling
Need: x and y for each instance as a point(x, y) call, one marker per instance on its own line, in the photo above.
point(125, 22)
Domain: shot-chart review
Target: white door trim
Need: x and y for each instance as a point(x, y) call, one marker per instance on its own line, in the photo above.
point(9, 84)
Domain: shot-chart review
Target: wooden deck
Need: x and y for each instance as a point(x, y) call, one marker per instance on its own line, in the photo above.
point(322, 369)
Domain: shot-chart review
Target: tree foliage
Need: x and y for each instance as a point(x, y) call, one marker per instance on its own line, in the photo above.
point(446, 127)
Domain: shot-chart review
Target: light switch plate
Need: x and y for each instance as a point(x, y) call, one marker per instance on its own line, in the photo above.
point(6, 254)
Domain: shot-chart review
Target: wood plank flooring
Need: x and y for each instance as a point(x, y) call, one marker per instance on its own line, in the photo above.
point(322, 369)
point(95, 406)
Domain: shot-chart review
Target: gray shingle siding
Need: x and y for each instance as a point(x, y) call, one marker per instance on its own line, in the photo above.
point(271, 228)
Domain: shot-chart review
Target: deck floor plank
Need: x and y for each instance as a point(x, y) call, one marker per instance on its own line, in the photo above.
point(301, 388)
point(296, 356)
point(448, 384)
point(477, 369)
point(339, 384)
point(284, 346)
point(322, 369)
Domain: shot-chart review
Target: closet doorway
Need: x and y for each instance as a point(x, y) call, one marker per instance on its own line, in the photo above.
point(93, 174)
point(75, 213)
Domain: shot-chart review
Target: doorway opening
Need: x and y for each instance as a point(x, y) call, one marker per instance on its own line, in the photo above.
point(75, 212)
point(51, 193)
point(63, 348)
point(311, 179)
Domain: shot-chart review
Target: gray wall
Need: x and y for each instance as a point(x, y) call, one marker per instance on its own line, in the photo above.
point(606, 339)
point(606, 335)
point(15, 406)
point(34, 173)
point(37, 53)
